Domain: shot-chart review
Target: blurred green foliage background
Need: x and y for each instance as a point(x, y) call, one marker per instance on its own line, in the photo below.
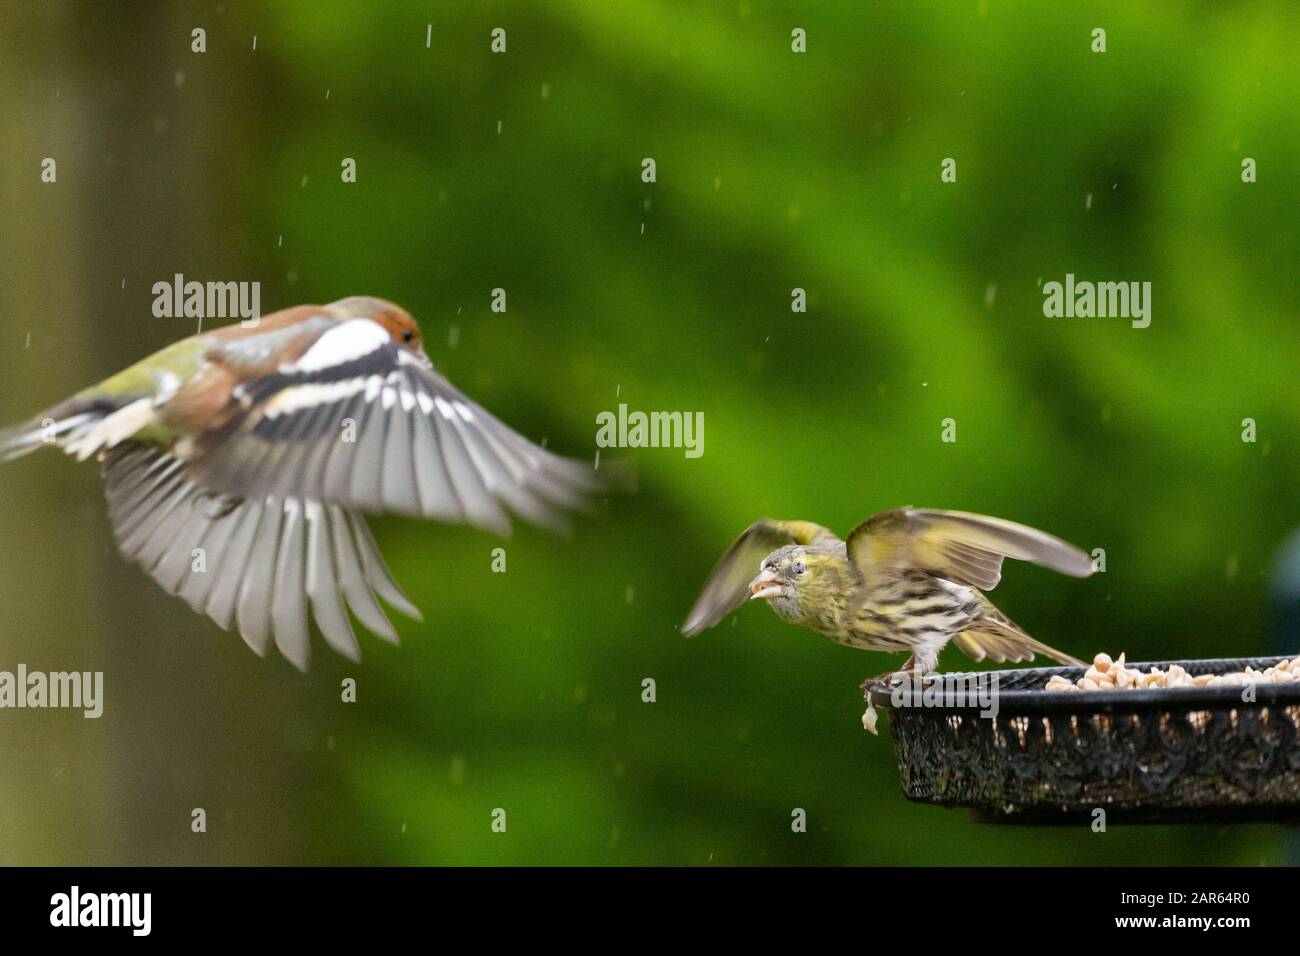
point(775, 170)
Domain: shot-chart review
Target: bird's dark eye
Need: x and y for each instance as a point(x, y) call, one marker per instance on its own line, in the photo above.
point(408, 335)
point(799, 568)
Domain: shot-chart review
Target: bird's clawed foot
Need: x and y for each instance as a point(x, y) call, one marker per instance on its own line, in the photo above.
point(909, 670)
point(878, 679)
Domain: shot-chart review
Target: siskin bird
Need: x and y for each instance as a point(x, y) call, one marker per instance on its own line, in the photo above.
point(909, 579)
point(259, 448)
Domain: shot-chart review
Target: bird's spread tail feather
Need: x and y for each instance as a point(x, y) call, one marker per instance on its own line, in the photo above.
point(1002, 641)
point(80, 426)
point(44, 430)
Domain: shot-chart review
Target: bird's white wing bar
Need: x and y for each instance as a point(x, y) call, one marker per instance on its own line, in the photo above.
point(344, 343)
point(268, 565)
point(299, 397)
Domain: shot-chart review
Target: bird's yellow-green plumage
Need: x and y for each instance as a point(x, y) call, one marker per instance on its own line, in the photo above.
point(181, 359)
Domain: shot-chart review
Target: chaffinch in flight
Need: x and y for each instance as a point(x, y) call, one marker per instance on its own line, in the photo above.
point(909, 579)
point(263, 446)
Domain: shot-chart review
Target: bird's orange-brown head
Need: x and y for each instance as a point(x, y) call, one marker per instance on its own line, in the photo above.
point(396, 320)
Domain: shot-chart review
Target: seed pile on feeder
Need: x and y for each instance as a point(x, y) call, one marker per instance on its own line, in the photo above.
point(1107, 674)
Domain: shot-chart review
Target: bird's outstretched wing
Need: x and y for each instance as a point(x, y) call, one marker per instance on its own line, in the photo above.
point(724, 591)
point(963, 548)
point(361, 422)
point(256, 563)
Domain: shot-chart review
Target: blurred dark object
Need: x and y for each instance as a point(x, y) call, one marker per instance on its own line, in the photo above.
point(1284, 593)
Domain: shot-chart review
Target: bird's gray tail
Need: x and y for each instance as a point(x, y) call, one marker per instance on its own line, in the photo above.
point(54, 427)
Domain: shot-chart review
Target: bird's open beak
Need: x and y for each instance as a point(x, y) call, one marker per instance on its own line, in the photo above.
point(767, 584)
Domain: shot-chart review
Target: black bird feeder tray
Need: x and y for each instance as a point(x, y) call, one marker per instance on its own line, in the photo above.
point(1159, 755)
